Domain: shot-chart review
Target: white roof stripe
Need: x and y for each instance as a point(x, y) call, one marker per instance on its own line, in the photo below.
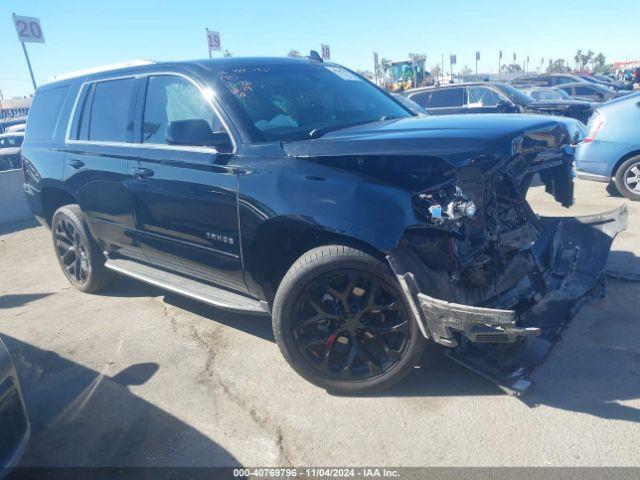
point(103, 68)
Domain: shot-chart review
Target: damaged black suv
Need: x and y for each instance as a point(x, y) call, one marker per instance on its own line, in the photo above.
point(297, 189)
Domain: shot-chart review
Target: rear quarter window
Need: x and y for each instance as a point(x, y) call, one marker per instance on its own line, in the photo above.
point(44, 113)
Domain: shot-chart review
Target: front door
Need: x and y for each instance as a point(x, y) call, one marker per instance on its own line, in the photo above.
point(184, 197)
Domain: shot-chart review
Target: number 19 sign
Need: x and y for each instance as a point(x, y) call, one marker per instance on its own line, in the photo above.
point(213, 40)
point(28, 29)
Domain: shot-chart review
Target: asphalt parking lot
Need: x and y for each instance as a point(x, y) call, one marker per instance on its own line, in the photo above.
point(137, 377)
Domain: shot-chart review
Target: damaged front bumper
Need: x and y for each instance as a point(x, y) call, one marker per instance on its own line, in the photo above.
point(505, 344)
point(475, 323)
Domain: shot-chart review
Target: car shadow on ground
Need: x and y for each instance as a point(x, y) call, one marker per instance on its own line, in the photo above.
point(19, 299)
point(592, 370)
point(84, 418)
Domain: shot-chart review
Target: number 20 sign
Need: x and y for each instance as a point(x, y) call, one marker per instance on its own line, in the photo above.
point(28, 29)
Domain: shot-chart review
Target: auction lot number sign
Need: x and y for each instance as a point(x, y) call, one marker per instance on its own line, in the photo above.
point(213, 40)
point(28, 29)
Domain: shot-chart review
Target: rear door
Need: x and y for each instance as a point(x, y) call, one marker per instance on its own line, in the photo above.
point(98, 153)
point(184, 197)
point(447, 101)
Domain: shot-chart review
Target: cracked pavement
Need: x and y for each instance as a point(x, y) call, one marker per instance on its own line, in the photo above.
point(139, 377)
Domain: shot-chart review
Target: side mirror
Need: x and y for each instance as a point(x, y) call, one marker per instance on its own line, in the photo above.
point(196, 133)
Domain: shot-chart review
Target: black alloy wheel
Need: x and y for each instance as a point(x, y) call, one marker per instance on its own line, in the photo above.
point(72, 251)
point(79, 256)
point(342, 322)
point(350, 325)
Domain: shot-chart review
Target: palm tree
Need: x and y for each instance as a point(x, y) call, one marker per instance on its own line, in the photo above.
point(578, 58)
point(599, 61)
point(585, 59)
point(466, 71)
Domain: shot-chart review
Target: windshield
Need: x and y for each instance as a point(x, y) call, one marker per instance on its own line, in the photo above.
point(544, 95)
point(517, 95)
point(290, 102)
point(550, 94)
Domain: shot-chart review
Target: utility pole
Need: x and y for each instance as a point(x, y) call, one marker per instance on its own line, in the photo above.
point(453, 60)
point(26, 56)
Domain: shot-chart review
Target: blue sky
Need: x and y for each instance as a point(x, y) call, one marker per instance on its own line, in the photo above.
point(82, 34)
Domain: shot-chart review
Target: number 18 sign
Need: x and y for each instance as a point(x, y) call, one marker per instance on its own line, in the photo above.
point(325, 52)
point(28, 29)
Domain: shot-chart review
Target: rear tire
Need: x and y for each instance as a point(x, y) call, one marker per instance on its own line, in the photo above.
point(628, 178)
point(79, 256)
point(341, 321)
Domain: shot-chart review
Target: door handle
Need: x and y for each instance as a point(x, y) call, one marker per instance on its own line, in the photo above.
point(75, 163)
point(139, 172)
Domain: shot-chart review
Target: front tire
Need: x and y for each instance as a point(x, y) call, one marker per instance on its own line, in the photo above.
point(79, 256)
point(341, 321)
point(628, 178)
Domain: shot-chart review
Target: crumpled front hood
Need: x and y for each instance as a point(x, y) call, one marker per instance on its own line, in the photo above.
point(455, 138)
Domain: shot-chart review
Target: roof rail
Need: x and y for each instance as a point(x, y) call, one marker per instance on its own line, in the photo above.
point(103, 68)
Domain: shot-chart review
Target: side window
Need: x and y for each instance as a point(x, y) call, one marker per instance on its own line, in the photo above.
point(110, 110)
point(583, 90)
point(44, 113)
point(561, 80)
point(483, 97)
point(420, 98)
point(169, 99)
point(105, 113)
point(447, 97)
point(566, 89)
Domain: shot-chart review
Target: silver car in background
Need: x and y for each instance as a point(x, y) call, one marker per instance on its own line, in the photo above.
point(14, 423)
